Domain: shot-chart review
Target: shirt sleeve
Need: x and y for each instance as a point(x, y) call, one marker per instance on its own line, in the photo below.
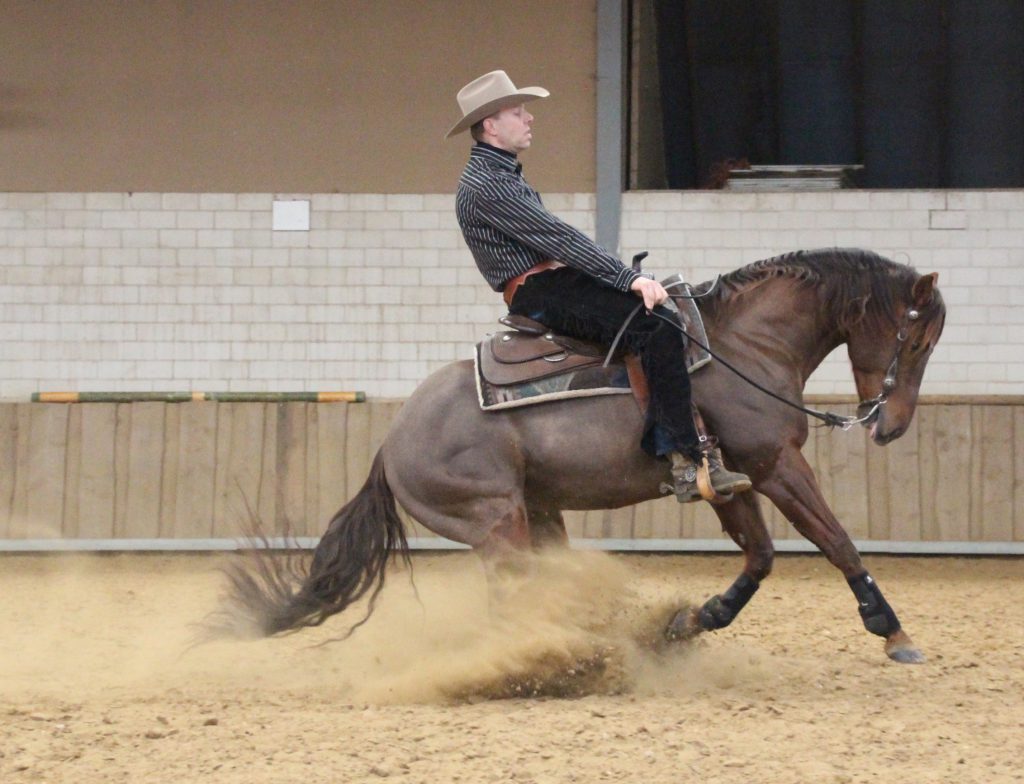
point(516, 211)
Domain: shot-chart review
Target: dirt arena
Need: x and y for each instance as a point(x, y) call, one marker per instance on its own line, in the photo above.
point(99, 684)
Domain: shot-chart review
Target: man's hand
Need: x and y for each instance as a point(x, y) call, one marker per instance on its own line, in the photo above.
point(652, 292)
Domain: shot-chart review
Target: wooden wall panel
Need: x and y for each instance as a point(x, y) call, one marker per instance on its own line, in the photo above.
point(266, 509)
point(122, 456)
point(879, 510)
point(332, 427)
point(904, 487)
point(193, 482)
point(69, 524)
point(945, 479)
point(37, 502)
point(145, 466)
point(357, 448)
point(202, 469)
point(290, 492)
point(94, 504)
point(311, 522)
point(8, 466)
point(1017, 475)
point(643, 521)
point(992, 434)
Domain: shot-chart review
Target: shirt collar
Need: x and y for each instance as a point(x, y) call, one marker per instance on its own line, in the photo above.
point(504, 158)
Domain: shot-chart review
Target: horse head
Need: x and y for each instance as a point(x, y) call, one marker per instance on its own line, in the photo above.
point(889, 352)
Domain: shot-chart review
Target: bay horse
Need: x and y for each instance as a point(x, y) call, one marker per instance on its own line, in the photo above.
point(498, 481)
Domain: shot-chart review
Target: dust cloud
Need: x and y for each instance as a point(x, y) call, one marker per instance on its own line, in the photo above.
point(565, 624)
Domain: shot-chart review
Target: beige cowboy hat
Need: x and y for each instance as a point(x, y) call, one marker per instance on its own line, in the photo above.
point(486, 94)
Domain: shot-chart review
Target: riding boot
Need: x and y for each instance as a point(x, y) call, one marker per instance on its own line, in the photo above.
point(723, 481)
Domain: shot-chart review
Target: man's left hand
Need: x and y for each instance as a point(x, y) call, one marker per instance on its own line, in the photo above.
point(652, 292)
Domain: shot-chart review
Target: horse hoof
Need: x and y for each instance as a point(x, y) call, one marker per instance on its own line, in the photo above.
point(909, 655)
point(900, 648)
point(683, 626)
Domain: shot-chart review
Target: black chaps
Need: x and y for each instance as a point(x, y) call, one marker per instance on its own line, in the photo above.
point(575, 304)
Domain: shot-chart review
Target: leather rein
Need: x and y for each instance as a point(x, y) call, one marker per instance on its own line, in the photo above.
point(828, 418)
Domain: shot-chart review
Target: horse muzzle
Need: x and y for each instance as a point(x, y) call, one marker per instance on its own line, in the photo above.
point(881, 436)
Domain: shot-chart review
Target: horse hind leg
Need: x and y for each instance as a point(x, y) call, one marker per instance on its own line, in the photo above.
point(498, 532)
point(742, 520)
point(547, 528)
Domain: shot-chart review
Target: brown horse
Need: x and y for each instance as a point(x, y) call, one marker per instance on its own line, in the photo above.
point(498, 481)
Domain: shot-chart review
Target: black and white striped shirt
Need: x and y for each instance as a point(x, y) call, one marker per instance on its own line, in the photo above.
point(509, 230)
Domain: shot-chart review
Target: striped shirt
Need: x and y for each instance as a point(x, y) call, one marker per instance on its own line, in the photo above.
point(509, 230)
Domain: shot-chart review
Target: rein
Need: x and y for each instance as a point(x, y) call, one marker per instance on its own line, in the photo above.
point(828, 418)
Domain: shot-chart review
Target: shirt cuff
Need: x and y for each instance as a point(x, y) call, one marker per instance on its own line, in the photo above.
point(625, 279)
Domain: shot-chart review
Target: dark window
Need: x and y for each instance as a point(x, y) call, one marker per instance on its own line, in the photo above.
point(921, 93)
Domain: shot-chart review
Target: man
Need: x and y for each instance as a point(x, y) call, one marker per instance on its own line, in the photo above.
point(553, 273)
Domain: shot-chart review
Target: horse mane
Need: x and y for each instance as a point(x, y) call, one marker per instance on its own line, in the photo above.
point(860, 283)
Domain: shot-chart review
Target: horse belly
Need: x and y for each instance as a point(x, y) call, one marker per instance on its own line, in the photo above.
point(585, 454)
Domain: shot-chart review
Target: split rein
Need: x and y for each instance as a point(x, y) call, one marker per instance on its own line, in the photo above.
point(828, 418)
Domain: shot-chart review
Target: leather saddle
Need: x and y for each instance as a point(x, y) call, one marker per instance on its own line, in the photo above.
point(531, 352)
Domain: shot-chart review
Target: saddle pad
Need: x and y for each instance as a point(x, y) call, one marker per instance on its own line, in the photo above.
point(584, 379)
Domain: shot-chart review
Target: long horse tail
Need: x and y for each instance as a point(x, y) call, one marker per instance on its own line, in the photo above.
point(277, 594)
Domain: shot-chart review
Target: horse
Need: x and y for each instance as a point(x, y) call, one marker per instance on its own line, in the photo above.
point(498, 481)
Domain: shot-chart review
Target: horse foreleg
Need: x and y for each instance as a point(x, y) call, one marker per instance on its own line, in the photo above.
point(742, 520)
point(794, 490)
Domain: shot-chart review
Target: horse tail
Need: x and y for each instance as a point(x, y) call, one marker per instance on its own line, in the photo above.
point(280, 594)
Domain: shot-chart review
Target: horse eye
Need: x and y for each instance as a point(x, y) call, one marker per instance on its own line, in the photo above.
point(915, 345)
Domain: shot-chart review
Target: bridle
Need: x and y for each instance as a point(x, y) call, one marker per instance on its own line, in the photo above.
point(829, 418)
point(889, 382)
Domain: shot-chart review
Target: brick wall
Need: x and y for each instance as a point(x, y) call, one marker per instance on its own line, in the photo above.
point(973, 239)
point(149, 291)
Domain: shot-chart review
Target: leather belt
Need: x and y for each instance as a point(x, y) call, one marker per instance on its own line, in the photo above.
point(510, 288)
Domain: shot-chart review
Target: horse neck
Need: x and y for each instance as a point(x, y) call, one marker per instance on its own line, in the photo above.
point(782, 319)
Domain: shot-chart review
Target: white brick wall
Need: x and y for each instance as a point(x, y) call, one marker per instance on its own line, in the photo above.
point(973, 239)
point(149, 291)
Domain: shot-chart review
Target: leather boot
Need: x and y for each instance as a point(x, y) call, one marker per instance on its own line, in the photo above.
point(724, 481)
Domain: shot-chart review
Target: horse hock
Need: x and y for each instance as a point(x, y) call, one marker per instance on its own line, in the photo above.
point(717, 612)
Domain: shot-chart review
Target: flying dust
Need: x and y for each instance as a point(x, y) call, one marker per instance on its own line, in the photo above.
point(568, 624)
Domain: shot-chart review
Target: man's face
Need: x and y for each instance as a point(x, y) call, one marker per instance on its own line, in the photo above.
point(510, 128)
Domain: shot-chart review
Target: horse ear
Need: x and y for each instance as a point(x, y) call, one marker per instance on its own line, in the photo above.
point(924, 289)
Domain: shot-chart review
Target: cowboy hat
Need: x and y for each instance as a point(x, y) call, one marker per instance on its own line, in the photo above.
point(487, 94)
